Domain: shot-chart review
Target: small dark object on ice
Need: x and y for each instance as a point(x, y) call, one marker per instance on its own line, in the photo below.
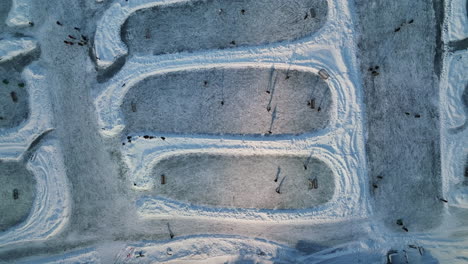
point(77, 28)
point(140, 254)
point(14, 97)
point(233, 42)
point(146, 137)
point(406, 113)
point(443, 200)
point(399, 222)
point(163, 138)
point(169, 251)
point(277, 174)
point(404, 228)
point(324, 74)
point(222, 102)
point(270, 132)
point(318, 109)
point(417, 115)
point(21, 85)
point(411, 21)
point(268, 92)
point(5, 81)
point(15, 194)
point(306, 16)
point(374, 73)
point(170, 231)
point(390, 253)
point(83, 37)
point(205, 83)
point(313, 184)
point(58, 23)
point(268, 108)
point(163, 179)
point(311, 103)
point(31, 24)
point(243, 12)
point(133, 106)
point(82, 44)
point(380, 177)
point(375, 186)
point(278, 190)
point(397, 29)
point(72, 37)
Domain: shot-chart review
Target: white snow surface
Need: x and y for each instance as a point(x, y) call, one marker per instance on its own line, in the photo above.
point(20, 13)
point(13, 47)
point(15, 141)
point(88, 255)
point(457, 24)
point(454, 132)
point(51, 207)
point(456, 64)
point(142, 155)
point(341, 145)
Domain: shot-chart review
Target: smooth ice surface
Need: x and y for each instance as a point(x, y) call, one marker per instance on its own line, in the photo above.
point(229, 101)
point(219, 24)
point(249, 181)
point(15, 176)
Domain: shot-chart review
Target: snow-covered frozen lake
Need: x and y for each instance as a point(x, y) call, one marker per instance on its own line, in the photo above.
point(233, 131)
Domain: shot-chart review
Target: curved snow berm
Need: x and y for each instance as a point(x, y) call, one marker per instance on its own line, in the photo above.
point(146, 154)
point(13, 47)
point(238, 249)
point(208, 249)
point(109, 45)
point(457, 24)
point(15, 141)
point(457, 83)
point(51, 208)
point(20, 13)
point(454, 105)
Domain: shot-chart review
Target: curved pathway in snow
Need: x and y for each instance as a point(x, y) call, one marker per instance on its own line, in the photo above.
point(51, 207)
